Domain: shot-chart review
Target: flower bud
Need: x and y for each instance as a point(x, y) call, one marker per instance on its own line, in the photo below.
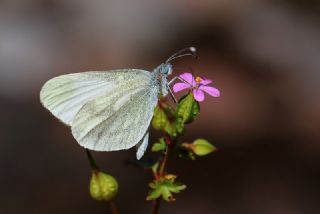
point(103, 186)
point(202, 147)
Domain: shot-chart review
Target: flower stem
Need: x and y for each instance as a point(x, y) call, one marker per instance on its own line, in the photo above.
point(92, 161)
point(95, 168)
point(162, 172)
point(113, 206)
point(164, 161)
point(155, 207)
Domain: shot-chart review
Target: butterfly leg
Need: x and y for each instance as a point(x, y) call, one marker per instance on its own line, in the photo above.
point(169, 89)
point(174, 79)
point(171, 93)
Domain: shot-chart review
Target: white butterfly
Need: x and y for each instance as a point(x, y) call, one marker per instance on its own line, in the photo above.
point(109, 110)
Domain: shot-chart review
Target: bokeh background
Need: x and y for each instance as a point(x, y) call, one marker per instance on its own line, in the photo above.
point(264, 56)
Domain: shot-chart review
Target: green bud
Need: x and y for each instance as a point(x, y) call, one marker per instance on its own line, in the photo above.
point(103, 186)
point(202, 147)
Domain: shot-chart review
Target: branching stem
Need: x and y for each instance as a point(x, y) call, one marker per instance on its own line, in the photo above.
point(162, 172)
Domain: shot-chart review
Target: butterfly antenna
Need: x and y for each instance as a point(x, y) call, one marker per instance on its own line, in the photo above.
point(192, 52)
point(192, 75)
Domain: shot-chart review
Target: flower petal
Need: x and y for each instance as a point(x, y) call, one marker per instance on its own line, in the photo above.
point(188, 77)
point(180, 86)
point(198, 95)
point(210, 90)
point(205, 81)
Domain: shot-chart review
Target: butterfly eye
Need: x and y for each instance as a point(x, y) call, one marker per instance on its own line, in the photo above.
point(168, 69)
point(165, 69)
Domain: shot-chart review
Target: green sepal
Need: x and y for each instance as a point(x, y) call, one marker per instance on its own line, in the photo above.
point(164, 119)
point(165, 187)
point(188, 108)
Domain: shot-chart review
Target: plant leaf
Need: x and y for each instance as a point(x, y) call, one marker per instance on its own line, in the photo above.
point(165, 187)
point(160, 146)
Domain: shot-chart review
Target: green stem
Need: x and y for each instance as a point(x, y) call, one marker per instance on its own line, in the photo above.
point(92, 161)
point(162, 172)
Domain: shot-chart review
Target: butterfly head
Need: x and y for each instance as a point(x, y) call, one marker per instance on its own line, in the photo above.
point(165, 69)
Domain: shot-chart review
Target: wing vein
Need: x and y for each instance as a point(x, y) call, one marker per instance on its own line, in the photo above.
point(91, 129)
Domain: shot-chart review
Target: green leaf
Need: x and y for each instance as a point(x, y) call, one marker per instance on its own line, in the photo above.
point(155, 193)
point(165, 187)
point(161, 146)
point(188, 108)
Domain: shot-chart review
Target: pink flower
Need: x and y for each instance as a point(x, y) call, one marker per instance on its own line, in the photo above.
point(198, 85)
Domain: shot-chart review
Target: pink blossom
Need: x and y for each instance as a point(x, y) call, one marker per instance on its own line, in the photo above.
point(198, 86)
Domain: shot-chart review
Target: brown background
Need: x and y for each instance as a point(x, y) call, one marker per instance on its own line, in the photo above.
point(262, 55)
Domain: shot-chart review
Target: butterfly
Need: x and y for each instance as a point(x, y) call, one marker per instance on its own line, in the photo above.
point(110, 110)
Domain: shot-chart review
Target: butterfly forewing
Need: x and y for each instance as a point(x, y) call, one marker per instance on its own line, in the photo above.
point(65, 95)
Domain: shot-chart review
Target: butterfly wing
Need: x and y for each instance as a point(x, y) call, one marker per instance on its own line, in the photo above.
point(142, 146)
point(116, 121)
point(65, 95)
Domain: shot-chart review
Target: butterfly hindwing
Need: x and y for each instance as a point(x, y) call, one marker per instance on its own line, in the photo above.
point(115, 121)
point(142, 146)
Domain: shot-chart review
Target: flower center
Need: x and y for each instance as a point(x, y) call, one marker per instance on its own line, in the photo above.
point(198, 80)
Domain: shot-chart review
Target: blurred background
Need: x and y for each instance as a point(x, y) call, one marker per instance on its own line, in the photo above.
point(264, 56)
